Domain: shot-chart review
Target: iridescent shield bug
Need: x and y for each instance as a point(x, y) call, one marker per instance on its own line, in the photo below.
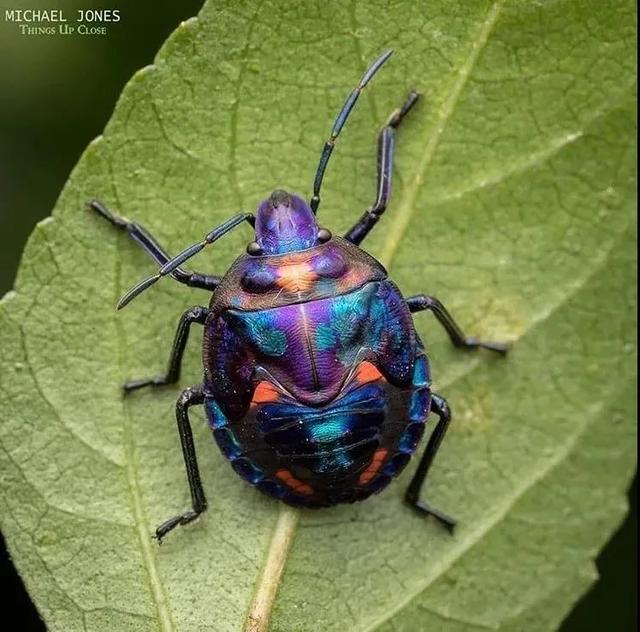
point(316, 385)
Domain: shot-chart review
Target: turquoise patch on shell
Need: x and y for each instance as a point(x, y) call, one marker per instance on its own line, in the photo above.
point(217, 419)
point(247, 470)
point(260, 328)
point(228, 442)
point(421, 376)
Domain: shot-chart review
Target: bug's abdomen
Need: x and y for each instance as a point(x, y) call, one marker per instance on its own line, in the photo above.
point(327, 444)
point(320, 456)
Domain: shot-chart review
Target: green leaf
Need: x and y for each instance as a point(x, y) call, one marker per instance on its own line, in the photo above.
point(513, 203)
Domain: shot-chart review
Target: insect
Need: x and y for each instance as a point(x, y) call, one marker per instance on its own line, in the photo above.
point(316, 385)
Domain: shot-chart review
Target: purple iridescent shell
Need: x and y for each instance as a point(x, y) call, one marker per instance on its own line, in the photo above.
point(318, 388)
point(285, 223)
point(262, 282)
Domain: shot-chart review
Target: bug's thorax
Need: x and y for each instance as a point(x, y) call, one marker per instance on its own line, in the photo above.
point(267, 281)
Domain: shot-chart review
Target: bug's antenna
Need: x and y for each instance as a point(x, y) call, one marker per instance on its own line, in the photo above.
point(187, 253)
point(341, 119)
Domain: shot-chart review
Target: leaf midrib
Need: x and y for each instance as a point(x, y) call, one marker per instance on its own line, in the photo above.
point(282, 538)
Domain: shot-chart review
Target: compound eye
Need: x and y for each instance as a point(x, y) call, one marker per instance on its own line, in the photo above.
point(324, 235)
point(258, 280)
point(254, 249)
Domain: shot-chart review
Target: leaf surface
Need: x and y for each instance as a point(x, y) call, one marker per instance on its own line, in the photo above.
point(513, 203)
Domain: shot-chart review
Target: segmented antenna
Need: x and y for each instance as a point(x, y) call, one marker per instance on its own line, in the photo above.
point(339, 124)
point(187, 253)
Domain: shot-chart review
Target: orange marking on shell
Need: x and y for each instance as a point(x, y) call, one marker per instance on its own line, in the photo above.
point(265, 393)
point(350, 279)
point(304, 489)
point(376, 463)
point(297, 486)
point(367, 372)
point(284, 475)
point(296, 277)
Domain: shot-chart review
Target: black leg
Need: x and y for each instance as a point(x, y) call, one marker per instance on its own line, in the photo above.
point(440, 407)
point(422, 302)
point(140, 235)
point(193, 315)
point(386, 140)
point(189, 397)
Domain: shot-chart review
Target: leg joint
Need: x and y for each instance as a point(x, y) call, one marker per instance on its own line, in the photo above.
point(189, 397)
point(440, 407)
point(422, 302)
point(197, 314)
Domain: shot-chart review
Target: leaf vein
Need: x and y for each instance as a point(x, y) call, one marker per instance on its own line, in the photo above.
point(158, 590)
point(535, 159)
point(43, 396)
point(406, 208)
point(499, 515)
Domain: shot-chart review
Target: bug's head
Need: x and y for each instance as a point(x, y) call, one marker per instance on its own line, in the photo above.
point(285, 223)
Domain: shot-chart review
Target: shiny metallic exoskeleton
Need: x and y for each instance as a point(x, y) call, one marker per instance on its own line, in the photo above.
point(316, 385)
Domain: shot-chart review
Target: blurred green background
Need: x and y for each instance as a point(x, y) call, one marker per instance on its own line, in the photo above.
point(56, 94)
